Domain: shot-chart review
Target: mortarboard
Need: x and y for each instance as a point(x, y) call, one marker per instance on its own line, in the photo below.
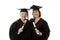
point(35, 7)
point(23, 10)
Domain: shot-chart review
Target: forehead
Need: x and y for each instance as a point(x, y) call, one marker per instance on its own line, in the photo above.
point(35, 10)
point(23, 12)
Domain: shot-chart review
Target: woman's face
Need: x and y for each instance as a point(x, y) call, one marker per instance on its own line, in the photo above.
point(35, 13)
point(23, 15)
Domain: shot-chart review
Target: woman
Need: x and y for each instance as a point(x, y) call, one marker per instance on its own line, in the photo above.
point(20, 29)
point(40, 28)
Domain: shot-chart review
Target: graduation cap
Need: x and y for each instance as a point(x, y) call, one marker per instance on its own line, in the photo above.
point(23, 10)
point(35, 7)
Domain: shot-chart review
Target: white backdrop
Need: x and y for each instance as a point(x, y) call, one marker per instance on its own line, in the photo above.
point(9, 13)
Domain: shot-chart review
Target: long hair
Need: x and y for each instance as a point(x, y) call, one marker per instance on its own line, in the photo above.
point(39, 14)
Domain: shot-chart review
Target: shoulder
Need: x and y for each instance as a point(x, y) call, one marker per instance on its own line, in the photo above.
point(31, 20)
point(44, 21)
point(15, 22)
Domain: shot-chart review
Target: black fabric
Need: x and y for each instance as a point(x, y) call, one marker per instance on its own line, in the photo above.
point(28, 31)
point(35, 7)
point(23, 10)
point(25, 35)
point(43, 27)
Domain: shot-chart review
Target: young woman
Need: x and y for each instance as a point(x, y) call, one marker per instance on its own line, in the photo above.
point(20, 29)
point(40, 28)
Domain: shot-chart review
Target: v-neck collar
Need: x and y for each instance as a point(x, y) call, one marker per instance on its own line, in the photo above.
point(38, 21)
point(21, 21)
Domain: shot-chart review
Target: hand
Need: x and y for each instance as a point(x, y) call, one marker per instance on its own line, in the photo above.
point(38, 32)
point(20, 30)
point(34, 25)
point(25, 21)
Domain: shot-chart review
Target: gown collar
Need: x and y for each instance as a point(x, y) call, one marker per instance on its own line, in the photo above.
point(38, 20)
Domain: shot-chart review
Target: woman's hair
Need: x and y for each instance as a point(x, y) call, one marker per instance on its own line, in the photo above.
point(39, 14)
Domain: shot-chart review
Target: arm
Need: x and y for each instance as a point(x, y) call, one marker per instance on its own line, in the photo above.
point(13, 32)
point(46, 30)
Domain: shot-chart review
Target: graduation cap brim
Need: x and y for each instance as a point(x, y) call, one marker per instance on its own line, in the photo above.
point(35, 7)
point(23, 9)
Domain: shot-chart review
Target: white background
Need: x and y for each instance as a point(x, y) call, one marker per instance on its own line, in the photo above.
point(9, 13)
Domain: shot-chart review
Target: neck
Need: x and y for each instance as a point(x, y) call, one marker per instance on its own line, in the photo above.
point(37, 18)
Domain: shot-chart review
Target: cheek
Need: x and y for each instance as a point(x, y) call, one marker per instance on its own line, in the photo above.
point(22, 15)
point(36, 15)
point(25, 15)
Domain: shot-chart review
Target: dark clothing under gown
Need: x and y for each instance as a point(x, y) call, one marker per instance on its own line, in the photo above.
point(25, 35)
point(43, 27)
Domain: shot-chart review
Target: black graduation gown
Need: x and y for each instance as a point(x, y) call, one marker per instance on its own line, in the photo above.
point(25, 35)
point(43, 27)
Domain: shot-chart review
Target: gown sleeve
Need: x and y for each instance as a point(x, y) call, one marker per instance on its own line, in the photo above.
point(46, 30)
point(13, 32)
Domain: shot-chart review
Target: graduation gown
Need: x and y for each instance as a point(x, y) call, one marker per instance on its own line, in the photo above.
point(43, 27)
point(13, 32)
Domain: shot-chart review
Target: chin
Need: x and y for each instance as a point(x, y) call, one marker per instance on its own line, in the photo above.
point(36, 16)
